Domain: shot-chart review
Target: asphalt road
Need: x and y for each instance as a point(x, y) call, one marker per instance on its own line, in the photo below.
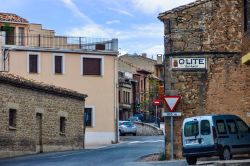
point(126, 153)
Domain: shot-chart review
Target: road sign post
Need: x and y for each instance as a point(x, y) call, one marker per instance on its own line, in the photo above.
point(171, 102)
point(156, 103)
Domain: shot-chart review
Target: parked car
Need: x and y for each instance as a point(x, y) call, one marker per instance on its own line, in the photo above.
point(214, 135)
point(127, 127)
point(134, 119)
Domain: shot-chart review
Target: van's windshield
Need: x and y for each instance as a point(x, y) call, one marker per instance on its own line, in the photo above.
point(191, 129)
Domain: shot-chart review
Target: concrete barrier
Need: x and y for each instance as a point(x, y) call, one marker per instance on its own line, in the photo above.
point(144, 129)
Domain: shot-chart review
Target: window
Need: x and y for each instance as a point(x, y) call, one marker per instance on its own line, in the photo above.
point(205, 127)
point(124, 97)
point(21, 36)
point(33, 63)
point(191, 129)
point(246, 13)
point(92, 65)
point(231, 126)
point(243, 128)
point(58, 64)
point(89, 116)
point(62, 125)
point(12, 118)
point(221, 127)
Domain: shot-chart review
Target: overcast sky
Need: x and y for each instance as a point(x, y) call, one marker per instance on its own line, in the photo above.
point(133, 22)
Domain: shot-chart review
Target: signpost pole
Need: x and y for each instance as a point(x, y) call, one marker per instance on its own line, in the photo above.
point(156, 114)
point(172, 138)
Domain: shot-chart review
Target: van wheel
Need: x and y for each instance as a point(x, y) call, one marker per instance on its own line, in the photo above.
point(226, 155)
point(191, 160)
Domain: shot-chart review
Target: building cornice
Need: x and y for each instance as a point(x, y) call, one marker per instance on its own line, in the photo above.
point(55, 50)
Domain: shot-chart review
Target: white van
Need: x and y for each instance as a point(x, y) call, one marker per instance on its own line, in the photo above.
point(214, 135)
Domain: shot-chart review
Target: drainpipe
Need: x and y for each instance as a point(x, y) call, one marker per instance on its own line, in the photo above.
point(116, 118)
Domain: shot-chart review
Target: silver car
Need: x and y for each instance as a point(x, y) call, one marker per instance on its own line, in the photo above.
point(127, 127)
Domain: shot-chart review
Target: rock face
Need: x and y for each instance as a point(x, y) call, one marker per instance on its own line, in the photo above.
point(212, 29)
point(37, 120)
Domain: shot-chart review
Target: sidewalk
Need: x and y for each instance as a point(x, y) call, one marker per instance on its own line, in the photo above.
point(245, 162)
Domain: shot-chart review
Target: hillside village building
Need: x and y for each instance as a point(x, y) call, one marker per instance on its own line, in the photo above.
point(85, 65)
point(203, 50)
point(140, 81)
point(37, 117)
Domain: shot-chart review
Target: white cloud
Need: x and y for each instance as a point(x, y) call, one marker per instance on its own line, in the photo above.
point(156, 6)
point(92, 30)
point(113, 22)
point(121, 11)
point(73, 7)
point(156, 49)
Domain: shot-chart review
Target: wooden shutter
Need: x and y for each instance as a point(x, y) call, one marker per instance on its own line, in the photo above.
point(100, 46)
point(58, 64)
point(91, 66)
point(33, 63)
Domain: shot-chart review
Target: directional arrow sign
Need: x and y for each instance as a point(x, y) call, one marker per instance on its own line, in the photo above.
point(172, 102)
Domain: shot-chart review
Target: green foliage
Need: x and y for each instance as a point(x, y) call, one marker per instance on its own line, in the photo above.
point(6, 27)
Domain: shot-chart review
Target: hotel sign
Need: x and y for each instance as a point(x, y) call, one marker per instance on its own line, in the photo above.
point(188, 63)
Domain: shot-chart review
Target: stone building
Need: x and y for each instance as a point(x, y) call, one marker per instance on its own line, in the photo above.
point(203, 50)
point(36, 117)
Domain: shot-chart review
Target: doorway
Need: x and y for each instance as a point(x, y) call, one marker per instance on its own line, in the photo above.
point(39, 131)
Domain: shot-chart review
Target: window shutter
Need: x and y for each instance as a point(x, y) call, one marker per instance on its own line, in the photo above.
point(33, 63)
point(91, 66)
point(58, 64)
point(100, 46)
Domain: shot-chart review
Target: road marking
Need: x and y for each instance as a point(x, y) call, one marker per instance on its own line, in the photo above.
point(149, 141)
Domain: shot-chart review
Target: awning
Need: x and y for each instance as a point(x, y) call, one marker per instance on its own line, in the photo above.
point(246, 59)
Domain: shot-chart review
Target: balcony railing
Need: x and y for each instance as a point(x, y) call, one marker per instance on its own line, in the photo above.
point(61, 42)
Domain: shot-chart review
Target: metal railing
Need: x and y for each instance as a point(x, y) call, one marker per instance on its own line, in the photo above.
point(62, 42)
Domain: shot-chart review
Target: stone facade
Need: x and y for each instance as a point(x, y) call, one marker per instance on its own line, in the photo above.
point(211, 29)
point(31, 101)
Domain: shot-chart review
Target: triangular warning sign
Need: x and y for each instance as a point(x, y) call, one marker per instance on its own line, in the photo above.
point(172, 102)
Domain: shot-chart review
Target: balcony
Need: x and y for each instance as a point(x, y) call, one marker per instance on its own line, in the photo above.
point(59, 42)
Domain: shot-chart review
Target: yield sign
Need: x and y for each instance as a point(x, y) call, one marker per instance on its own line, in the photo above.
point(172, 102)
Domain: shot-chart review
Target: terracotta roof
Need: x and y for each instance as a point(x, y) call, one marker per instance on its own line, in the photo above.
point(183, 7)
point(21, 82)
point(10, 17)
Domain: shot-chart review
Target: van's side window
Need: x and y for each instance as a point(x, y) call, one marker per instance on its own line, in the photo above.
point(221, 127)
point(231, 126)
point(191, 129)
point(243, 128)
point(205, 127)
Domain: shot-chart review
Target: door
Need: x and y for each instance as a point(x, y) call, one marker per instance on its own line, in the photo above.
point(39, 131)
point(243, 136)
point(233, 136)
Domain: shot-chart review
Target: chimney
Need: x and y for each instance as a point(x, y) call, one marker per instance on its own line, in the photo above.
point(144, 55)
point(159, 58)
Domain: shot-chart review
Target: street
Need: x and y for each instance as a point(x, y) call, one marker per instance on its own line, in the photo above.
point(126, 153)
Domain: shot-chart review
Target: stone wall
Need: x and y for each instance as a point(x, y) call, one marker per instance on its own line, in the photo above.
point(144, 129)
point(24, 138)
point(210, 29)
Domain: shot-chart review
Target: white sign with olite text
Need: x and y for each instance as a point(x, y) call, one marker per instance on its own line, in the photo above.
point(188, 63)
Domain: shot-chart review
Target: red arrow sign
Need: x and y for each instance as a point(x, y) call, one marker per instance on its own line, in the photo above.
point(172, 102)
point(157, 102)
